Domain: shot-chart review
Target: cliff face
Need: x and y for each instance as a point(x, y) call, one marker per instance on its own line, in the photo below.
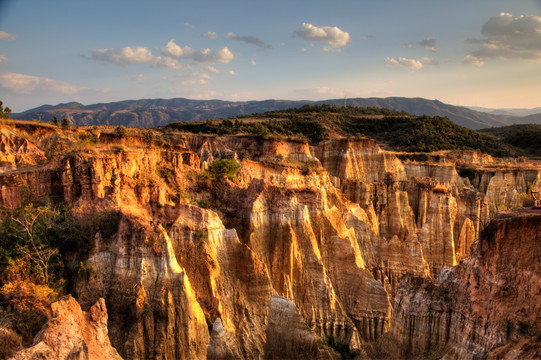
point(308, 244)
point(72, 333)
point(489, 300)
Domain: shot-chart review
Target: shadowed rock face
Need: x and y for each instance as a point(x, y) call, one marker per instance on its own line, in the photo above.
point(307, 244)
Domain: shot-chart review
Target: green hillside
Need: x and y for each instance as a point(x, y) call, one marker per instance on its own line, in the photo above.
point(399, 130)
point(526, 137)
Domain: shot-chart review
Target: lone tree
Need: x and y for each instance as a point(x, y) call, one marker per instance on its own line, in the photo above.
point(5, 113)
point(55, 120)
point(65, 123)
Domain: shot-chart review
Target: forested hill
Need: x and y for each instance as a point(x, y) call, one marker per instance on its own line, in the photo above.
point(158, 112)
point(395, 129)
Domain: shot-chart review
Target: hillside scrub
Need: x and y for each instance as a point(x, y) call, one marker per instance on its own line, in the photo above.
point(43, 246)
point(399, 130)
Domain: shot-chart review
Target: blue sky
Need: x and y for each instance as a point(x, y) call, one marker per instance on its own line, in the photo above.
point(479, 53)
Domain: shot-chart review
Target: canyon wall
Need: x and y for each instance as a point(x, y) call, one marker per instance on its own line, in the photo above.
point(303, 250)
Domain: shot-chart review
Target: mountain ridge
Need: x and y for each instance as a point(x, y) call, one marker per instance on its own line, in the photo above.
point(157, 112)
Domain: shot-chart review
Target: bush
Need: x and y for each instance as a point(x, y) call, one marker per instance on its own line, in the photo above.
point(340, 347)
point(223, 167)
point(90, 137)
point(120, 131)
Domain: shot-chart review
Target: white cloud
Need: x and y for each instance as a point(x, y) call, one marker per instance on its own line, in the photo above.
point(473, 60)
point(252, 61)
point(212, 69)
point(409, 63)
point(7, 36)
point(430, 61)
point(506, 37)
point(210, 35)
point(189, 26)
point(133, 55)
point(231, 72)
point(366, 37)
point(408, 46)
point(140, 78)
point(194, 78)
point(332, 36)
point(330, 49)
point(429, 44)
point(205, 56)
point(28, 84)
point(249, 40)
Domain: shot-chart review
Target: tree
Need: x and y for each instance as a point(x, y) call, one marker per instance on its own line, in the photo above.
point(65, 123)
point(55, 120)
point(4, 112)
point(224, 167)
point(30, 225)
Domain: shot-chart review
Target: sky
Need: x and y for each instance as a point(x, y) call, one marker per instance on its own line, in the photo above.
point(464, 52)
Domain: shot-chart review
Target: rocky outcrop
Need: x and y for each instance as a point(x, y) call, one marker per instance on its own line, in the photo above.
point(489, 300)
point(309, 243)
point(17, 150)
point(72, 334)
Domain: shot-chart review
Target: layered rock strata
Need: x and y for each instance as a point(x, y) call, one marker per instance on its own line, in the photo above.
point(315, 238)
point(488, 305)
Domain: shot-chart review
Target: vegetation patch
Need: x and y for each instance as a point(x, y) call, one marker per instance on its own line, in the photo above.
point(399, 130)
point(222, 167)
point(42, 248)
point(340, 347)
point(524, 136)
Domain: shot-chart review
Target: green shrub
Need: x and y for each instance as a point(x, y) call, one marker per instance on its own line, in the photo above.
point(223, 167)
point(120, 131)
point(340, 347)
point(90, 137)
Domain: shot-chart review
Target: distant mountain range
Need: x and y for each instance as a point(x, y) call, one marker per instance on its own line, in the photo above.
point(158, 112)
point(508, 112)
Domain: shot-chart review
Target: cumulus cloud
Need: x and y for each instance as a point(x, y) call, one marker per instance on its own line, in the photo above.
point(430, 61)
point(409, 63)
point(212, 69)
point(252, 61)
point(28, 84)
point(412, 64)
point(193, 78)
point(429, 44)
point(506, 37)
point(210, 35)
point(231, 72)
point(7, 36)
point(224, 55)
point(171, 54)
point(474, 60)
point(133, 55)
point(249, 40)
point(333, 36)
